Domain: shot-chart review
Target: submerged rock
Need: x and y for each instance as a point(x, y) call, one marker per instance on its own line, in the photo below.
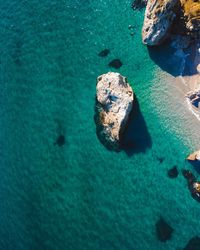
point(116, 63)
point(114, 104)
point(173, 172)
point(164, 230)
point(193, 244)
point(160, 159)
point(104, 53)
point(189, 176)
point(60, 140)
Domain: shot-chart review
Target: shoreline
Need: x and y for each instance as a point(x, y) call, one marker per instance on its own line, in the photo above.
point(190, 83)
point(175, 107)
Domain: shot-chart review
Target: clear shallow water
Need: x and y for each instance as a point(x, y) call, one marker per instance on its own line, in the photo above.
point(82, 196)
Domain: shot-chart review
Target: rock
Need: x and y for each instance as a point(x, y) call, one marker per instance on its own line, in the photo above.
point(178, 17)
point(60, 140)
point(195, 156)
point(189, 176)
point(173, 172)
point(159, 16)
point(193, 244)
point(193, 184)
point(194, 99)
point(191, 9)
point(116, 63)
point(104, 53)
point(164, 230)
point(114, 104)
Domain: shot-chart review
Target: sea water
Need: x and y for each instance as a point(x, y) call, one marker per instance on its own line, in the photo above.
point(82, 196)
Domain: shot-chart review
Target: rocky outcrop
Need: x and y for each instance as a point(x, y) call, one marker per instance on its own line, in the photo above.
point(195, 156)
point(114, 104)
point(159, 16)
point(177, 17)
point(193, 184)
point(191, 12)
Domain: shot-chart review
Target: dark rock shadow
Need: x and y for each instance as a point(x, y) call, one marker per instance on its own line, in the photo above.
point(193, 244)
point(173, 62)
point(134, 139)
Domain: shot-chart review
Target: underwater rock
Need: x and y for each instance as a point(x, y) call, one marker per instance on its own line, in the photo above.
point(160, 159)
point(193, 244)
point(164, 230)
point(138, 4)
point(189, 176)
point(114, 104)
point(159, 16)
point(173, 172)
point(116, 63)
point(60, 140)
point(104, 53)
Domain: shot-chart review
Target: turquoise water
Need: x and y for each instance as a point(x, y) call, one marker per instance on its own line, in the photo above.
point(80, 195)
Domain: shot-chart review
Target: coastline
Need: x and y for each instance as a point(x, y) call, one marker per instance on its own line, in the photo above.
point(184, 118)
point(189, 82)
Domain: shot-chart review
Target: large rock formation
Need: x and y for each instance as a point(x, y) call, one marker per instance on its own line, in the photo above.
point(114, 104)
point(159, 16)
point(191, 10)
point(163, 18)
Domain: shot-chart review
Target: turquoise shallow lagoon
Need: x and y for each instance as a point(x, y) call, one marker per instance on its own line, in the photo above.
point(82, 196)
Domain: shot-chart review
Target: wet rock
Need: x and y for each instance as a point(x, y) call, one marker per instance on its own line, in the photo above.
point(173, 172)
point(164, 230)
point(189, 176)
point(193, 184)
point(60, 140)
point(193, 244)
point(104, 53)
point(116, 63)
point(114, 102)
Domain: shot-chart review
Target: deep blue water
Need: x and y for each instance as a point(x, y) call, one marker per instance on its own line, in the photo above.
point(81, 195)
